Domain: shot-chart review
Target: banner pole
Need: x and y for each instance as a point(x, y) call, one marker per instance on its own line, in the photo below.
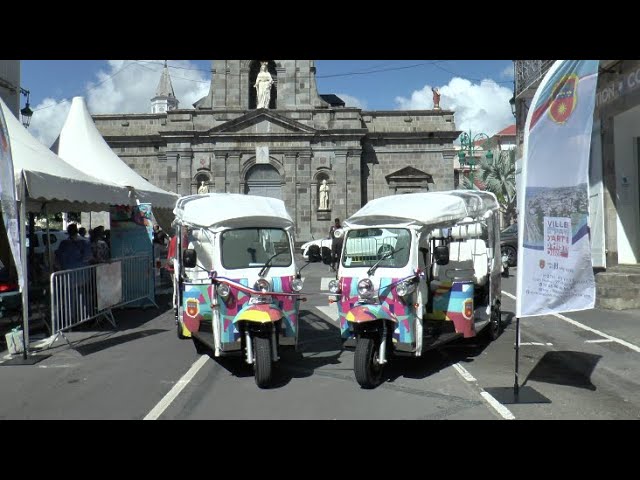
point(516, 385)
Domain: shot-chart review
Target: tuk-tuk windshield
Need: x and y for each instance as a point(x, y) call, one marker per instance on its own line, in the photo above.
point(254, 247)
point(365, 247)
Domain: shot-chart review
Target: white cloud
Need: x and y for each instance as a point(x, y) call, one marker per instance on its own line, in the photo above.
point(480, 107)
point(126, 86)
point(351, 101)
point(47, 120)
point(507, 72)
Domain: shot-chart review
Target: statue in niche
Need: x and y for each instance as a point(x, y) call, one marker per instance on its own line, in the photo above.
point(263, 87)
point(203, 188)
point(324, 195)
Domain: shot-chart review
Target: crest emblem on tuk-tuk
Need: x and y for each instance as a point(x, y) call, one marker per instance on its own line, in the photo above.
point(193, 307)
point(468, 308)
point(542, 263)
point(564, 98)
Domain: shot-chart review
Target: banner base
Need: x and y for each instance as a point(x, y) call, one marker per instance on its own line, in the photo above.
point(508, 395)
point(30, 360)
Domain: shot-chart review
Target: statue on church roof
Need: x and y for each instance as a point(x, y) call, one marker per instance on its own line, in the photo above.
point(263, 87)
point(436, 98)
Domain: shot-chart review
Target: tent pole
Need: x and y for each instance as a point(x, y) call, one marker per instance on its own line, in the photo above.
point(23, 257)
point(49, 253)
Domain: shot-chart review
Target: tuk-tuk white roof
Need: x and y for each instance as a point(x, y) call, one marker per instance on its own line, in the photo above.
point(429, 208)
point(231, 210)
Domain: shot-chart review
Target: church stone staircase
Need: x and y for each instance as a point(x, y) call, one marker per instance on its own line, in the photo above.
point(618, 288)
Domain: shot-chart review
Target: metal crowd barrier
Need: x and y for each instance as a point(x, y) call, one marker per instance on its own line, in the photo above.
point(78, 295)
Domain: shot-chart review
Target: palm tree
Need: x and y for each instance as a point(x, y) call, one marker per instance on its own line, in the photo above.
point(499, 177)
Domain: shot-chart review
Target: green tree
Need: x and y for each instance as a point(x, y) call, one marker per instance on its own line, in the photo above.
point(499, 177)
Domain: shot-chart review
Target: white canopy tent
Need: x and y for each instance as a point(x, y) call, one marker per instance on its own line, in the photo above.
point(81, 145)
point(52, 181)
point(44, 180)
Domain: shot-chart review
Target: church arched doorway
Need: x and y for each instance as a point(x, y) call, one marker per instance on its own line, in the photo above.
point(263, 180)
point(254, 69)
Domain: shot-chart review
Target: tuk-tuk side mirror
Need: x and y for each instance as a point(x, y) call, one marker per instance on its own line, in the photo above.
point(441, 254)
point(299, 274)
point(189, 258)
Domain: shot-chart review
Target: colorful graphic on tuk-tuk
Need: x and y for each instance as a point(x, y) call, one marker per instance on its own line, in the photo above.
point(453, 301)
point(237, 301)
point(197, 306)
point(391, 306)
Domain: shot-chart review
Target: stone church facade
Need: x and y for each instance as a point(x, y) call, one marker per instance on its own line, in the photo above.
point(285, 150)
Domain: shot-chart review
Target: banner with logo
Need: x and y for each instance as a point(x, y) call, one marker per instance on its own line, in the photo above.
point(555, 272)
point(8, 198)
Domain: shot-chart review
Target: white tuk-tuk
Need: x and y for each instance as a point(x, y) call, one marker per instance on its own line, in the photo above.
point(237, 280)
point(416, 271)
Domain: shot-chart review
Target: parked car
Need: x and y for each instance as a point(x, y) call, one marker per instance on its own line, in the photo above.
point(317, 250)
point(509, 243)
point(320, 250)
point(55, 236)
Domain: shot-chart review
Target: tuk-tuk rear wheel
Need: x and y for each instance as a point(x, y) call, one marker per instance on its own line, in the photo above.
point(366, 367)
point(262, 362)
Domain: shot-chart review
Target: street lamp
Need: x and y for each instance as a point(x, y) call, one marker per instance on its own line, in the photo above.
point(467, 142)
point(26, 112)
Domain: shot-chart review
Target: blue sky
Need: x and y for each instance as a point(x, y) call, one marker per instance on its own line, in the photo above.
point(477, 90)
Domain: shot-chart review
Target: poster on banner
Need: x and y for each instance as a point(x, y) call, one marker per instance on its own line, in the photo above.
point(109, 284)
point(8, 198)
point(555, 272)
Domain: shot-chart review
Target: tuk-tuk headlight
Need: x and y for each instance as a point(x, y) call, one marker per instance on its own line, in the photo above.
point(262, 285)
point(365, 287)
point(223, 290)
point(296, 284)
point(334, 286)
point(405, 288)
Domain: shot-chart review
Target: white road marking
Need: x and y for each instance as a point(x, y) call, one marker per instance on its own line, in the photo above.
point(464, 373)
point(513, 297)
point(600, 340)
point(330, 311)
point(536, 343)
point(177, 388)
point(631, 346)
point(501, 409)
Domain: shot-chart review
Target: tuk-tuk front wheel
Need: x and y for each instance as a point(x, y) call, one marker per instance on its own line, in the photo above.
point(262, 361)
point(366, 367)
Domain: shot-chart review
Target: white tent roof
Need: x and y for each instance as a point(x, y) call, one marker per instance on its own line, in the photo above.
point(428, 208)
point(81, 145)
point(228, 210)
point(50, 179)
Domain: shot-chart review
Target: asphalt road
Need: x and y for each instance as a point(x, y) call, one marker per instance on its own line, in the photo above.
point(141, 370)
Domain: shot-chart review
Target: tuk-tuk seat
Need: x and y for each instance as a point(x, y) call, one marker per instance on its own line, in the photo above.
point(460, 266)
point(471, 234)
point(480, 259)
